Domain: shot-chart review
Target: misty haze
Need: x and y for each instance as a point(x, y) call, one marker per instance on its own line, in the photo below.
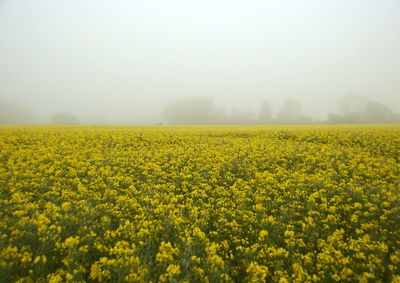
point(200, 141)
point(208, 62)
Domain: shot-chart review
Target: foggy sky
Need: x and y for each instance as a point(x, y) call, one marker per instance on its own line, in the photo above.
point(126, 60)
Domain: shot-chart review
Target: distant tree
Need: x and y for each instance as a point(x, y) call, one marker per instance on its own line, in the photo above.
point(265, 115)
point(304, 120)
point(242, 117)
point(64, 118)
point(352, 103)
point(334, 118)
point(376, 112)
point(358, 109)
point(354, 118)
point(219, 116)
point(199, 110)
point(290, 112)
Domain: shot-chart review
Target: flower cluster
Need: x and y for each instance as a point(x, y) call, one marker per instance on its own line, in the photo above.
point(200, 204)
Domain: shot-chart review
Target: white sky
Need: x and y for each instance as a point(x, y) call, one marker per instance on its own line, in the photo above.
point(127, 59)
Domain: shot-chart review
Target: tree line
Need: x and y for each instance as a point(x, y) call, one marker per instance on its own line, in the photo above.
point(354, 109)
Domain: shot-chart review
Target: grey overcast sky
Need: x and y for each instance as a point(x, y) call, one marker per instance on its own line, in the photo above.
point(125, 60)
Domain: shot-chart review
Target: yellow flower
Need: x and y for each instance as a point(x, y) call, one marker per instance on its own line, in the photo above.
point(71, 242)
point(166, 252)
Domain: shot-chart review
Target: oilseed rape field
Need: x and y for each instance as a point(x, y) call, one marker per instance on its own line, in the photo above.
point(200, 204)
